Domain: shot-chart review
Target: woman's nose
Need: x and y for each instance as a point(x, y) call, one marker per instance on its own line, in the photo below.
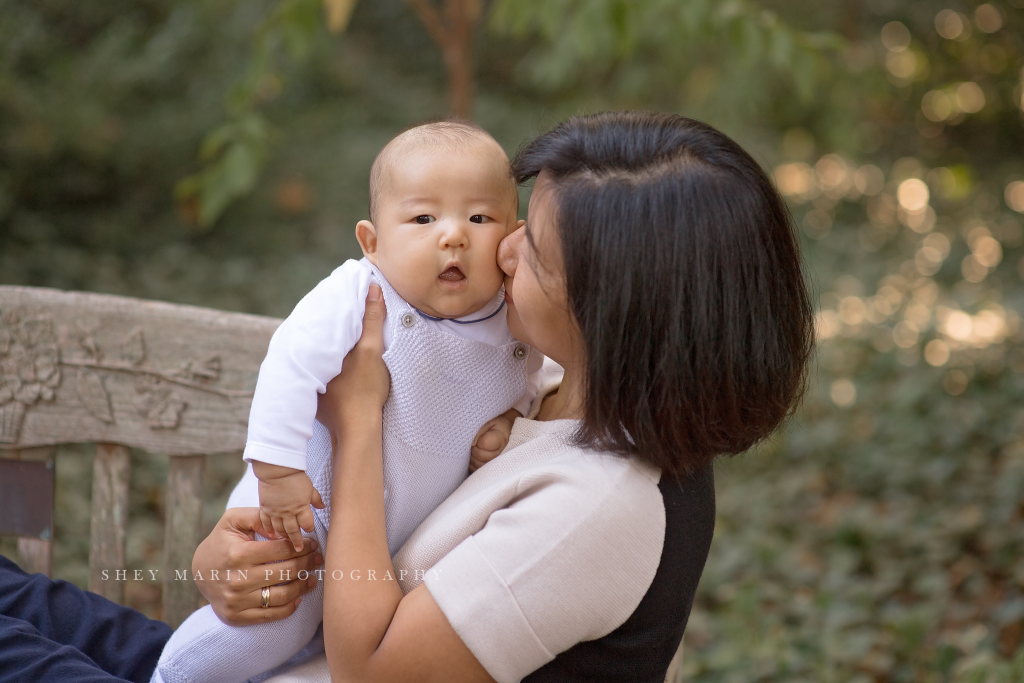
point(508, 251)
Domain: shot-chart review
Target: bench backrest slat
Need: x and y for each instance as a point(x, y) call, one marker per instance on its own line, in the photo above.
point(111, 477)
point(184, 517)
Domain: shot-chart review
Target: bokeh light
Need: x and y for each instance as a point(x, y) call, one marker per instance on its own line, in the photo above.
point(970, 97)
point(895, 36)
point(936, 353)
point(988, 18)
point(952, 25)
point(1015, 195)
point(843, 393)
point(913, 195)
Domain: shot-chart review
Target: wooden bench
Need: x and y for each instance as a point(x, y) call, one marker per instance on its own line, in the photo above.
point(120, 373)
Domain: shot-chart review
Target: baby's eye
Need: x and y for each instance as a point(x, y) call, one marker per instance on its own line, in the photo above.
point(478, 218)
point(423, 220)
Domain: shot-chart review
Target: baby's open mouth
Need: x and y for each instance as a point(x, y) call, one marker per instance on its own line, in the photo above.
point(453, 274)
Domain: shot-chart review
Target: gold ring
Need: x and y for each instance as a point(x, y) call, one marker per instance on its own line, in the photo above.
point(265, 597)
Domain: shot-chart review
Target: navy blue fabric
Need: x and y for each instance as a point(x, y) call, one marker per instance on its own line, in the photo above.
point(54, 631)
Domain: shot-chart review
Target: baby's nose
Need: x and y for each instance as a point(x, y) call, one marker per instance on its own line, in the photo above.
point(454, 236)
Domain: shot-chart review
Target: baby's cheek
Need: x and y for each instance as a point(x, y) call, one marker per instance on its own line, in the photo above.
point(492, 252)
point(411, 273)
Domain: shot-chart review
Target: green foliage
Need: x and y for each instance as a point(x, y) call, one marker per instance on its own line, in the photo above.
point(234, 153)
point(643, 50)
point(637, 46)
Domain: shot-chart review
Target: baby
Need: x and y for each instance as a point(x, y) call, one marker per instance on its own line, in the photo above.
point(441, 199)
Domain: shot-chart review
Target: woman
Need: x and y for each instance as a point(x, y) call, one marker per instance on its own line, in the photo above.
point(660, 269)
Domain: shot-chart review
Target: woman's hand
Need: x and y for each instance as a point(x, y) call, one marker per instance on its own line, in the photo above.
point(361, 389)
point(231, 552)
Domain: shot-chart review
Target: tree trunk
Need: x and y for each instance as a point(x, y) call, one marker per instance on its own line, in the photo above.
point(851, 20)
point(454, 36)
point(459, 58)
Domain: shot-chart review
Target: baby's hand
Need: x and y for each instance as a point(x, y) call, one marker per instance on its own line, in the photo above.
point(285, 497)
point(491, 439)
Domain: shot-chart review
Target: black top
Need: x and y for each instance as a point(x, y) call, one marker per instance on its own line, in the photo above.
point(641, 649)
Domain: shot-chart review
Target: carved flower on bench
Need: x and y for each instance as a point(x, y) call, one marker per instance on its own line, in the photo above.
point(158, 403)
point(29, 370)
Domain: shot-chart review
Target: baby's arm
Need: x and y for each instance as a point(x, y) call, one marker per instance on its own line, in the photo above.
point(305, 353)
point(490, 441)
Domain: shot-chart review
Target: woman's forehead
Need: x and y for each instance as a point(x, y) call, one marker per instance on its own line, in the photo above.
point(541, 228)
point(542, 204)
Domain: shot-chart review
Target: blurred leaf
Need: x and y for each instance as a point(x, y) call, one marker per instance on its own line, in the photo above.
point(233, 156)
point(338, 14)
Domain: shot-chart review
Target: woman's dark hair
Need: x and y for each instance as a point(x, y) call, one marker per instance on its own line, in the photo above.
point(683, 272)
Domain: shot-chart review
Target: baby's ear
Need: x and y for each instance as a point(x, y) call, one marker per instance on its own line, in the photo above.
point(366, 234)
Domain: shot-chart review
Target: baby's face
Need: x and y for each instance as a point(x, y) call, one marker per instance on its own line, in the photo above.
point(441, 216)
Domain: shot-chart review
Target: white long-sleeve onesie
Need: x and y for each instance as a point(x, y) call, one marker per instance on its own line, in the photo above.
point(447, 380)
point(307, 349)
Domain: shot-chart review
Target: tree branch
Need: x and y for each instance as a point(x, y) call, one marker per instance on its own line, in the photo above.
point(431, 19)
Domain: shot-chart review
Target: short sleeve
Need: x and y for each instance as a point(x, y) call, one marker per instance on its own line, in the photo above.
point(568, 560)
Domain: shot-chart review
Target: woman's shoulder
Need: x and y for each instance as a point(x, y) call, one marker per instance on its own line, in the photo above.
point(597, 478)
point(542, 455)
point(546, 523)
point(543, 486)
point(535, 443)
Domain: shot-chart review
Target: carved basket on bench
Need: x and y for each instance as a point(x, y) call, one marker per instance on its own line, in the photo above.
point(120, 373)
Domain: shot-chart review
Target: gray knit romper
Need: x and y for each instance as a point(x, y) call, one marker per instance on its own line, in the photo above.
point(443, 389)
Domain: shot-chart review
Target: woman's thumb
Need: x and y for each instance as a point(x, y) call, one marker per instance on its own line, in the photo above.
point(373, 317)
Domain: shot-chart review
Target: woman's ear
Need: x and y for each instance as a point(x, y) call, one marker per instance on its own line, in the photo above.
point(366, 234)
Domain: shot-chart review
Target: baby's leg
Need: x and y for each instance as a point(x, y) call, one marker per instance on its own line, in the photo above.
point(247, 491)
point(319, 454)
point(206, 649)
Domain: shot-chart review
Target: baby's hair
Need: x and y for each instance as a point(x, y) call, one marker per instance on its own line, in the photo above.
point(450, 135)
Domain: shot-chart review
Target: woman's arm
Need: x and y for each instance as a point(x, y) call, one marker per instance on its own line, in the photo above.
point(372, 632)
point(231, 563)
